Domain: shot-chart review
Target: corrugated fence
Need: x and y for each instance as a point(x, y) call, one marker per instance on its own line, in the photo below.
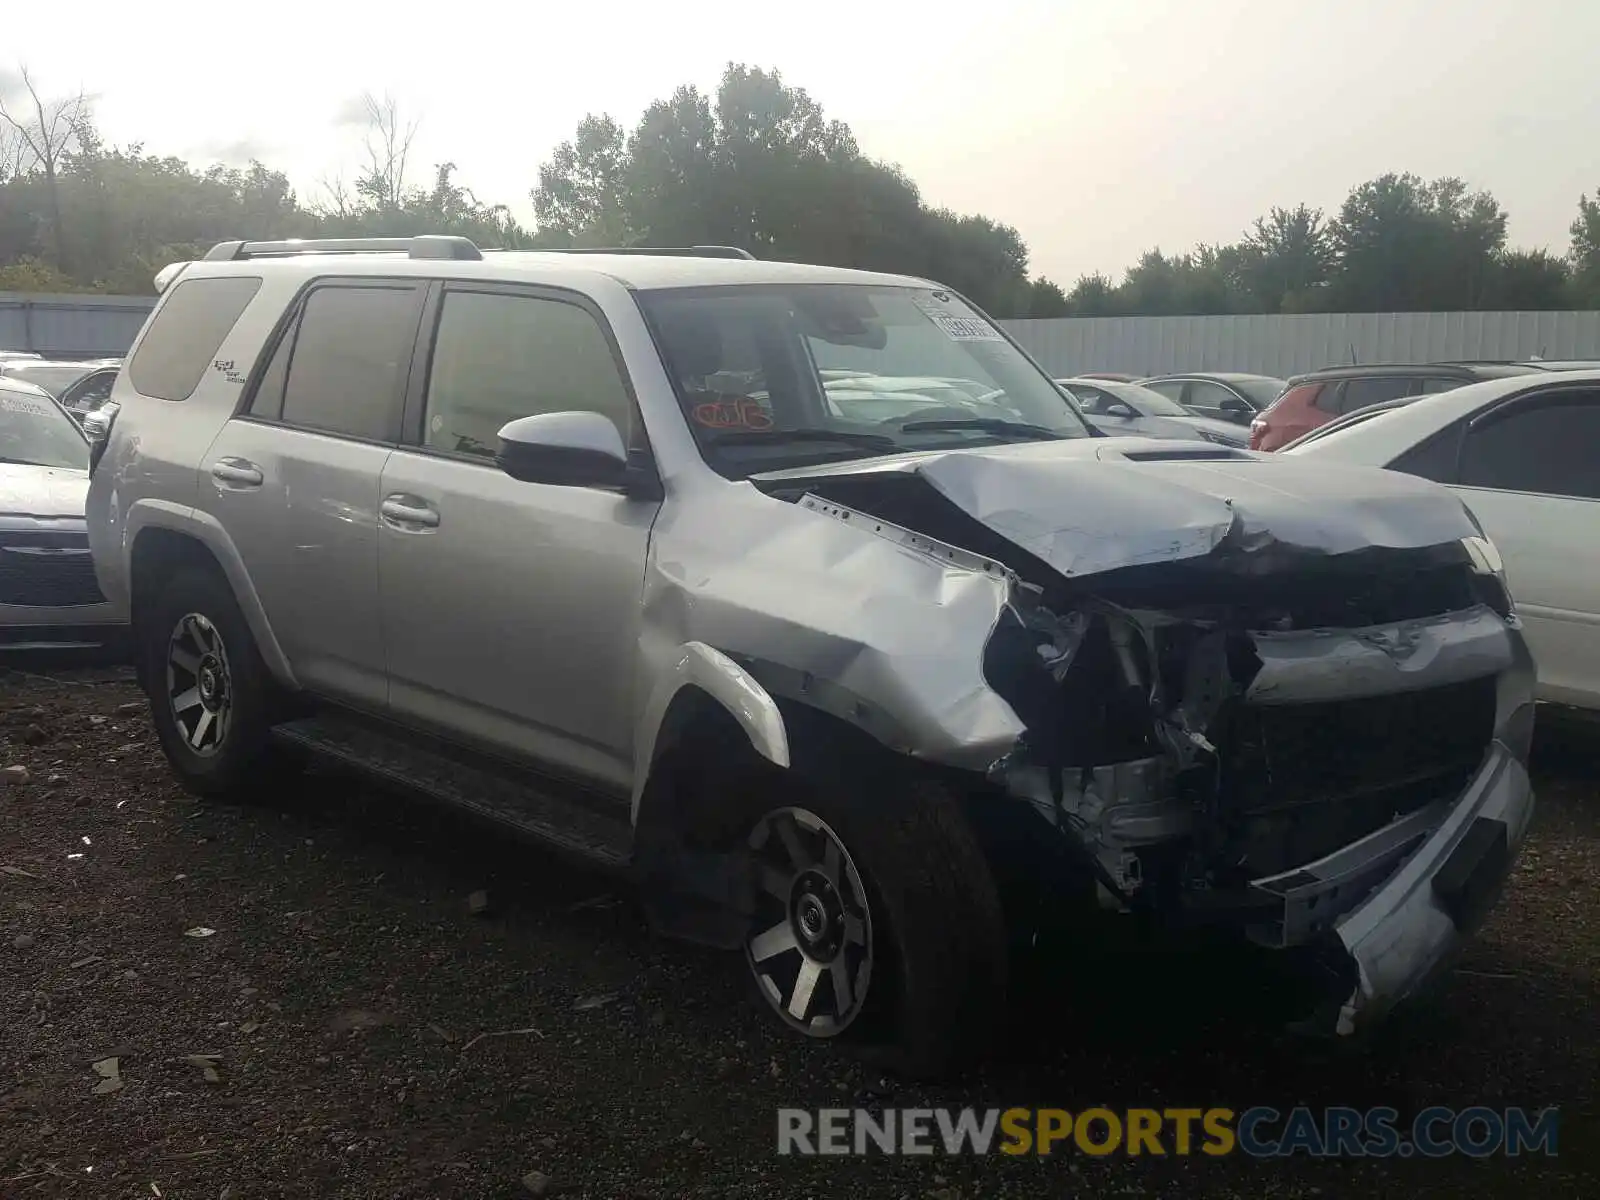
point(1283, 345)
point(90, 326)
point(71, 326)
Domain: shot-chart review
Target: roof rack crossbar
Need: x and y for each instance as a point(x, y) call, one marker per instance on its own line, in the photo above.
point(429, 245)
point(683, 251)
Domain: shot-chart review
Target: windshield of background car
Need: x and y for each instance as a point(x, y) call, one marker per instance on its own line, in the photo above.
point(788, 375)
point(1143, 399)
point(36, 431)
point(54, 378)
point(1263, 390)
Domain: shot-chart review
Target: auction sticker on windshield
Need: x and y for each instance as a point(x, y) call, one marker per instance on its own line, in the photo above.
point(957, 322)
point(19, 404)
point(733, 412)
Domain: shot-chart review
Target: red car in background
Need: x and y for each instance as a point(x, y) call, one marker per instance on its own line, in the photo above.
point(1312, 400)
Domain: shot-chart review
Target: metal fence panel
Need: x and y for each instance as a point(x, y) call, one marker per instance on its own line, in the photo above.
point(80, 326)
point(72, 326)
point(1284, 345)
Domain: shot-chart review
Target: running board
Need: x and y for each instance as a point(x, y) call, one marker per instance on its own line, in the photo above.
point(519, 802)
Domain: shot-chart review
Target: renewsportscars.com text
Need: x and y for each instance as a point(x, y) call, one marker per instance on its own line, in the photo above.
point(1258, 1132)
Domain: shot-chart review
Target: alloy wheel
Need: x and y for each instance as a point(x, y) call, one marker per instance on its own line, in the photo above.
point(812, 952)
point(199, 684)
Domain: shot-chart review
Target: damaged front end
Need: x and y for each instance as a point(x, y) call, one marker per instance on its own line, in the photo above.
point(1319, 745)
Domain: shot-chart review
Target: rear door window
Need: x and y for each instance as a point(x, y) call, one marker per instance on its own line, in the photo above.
point(1544, 445)
point(1373, 389)
point(347, 369)
point(1215, 400)
point(186, 333)
point(1435, 383)
point(1328, 396)
point(1172, 389)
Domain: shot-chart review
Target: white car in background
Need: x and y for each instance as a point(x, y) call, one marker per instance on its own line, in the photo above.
point(1524, 453)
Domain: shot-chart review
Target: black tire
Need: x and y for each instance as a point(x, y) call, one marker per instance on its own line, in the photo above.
point(238, 764)
point(937, 996)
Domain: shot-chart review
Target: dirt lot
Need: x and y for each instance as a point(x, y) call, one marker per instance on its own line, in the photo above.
point(376, 1038)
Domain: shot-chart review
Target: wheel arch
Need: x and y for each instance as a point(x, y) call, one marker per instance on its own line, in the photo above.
point(158, 548)
point(704, 686)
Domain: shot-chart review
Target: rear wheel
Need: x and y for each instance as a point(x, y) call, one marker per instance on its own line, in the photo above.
point(211, 696)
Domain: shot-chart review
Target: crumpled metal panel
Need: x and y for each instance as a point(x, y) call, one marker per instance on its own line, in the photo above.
point(1317, 665)
point(873, 623)
point(879, 632)
point(1084, 507)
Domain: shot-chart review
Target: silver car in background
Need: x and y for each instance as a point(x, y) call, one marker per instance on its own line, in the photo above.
point(49, 599)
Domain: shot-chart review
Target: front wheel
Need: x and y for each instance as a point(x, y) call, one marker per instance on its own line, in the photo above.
point(209, 690)
point(877, 922)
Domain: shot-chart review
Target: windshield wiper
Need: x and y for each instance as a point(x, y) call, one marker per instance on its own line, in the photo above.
point(753, 437)
point(984, 425)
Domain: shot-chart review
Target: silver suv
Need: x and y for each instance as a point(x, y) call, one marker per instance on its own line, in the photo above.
point(805, 596)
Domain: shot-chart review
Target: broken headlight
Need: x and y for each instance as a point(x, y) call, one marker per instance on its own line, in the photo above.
point(1489, 572)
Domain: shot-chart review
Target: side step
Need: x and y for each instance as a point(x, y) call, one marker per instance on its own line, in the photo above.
point(525, 802)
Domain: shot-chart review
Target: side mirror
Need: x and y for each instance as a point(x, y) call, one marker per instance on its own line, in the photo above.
point(1234, 409)
point(96, 428)
point(1120, 410)
point(96, 425)
point(572, 449)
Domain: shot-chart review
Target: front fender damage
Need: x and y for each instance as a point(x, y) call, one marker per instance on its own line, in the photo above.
point(1230, 728)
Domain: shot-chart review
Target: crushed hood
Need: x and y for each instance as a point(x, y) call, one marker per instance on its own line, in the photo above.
point(1087, 505)
point(32, 491)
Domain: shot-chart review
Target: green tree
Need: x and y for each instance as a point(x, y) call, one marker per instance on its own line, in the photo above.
point(1405, 245)
point(1092, 296)
point(1285, 257)
point(1527, 281)
point(761, 166)
point(1043, 299)
point(1585, 253)
point(581, 192)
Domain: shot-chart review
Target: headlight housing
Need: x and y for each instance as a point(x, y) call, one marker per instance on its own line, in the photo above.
point(1489, 572)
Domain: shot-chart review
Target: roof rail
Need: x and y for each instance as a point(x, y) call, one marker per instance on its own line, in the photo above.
point(679, 251)
point(428, 245)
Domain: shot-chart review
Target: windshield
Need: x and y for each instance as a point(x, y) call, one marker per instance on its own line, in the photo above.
point(54, 378)
point(1345, 422)
point(34, 430)
point(787, 375)
point(1261, 388)
point(1144, 400)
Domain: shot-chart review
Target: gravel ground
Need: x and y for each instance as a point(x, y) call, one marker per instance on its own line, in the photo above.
point(370, 1035)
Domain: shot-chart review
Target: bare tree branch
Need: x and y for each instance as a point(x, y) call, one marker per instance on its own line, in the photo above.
point(388, 146)
point(47, 136)
point(51, 131)
point(11, 153)
point(339, 202)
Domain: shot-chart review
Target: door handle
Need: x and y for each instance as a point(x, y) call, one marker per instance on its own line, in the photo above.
point(408, 512)
point(240, 472)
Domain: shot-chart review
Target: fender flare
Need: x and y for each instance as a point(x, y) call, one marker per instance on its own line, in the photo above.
point(730, 685)
point(191, 522)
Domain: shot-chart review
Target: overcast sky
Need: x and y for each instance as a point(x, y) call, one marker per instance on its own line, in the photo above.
point(1098, 128)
